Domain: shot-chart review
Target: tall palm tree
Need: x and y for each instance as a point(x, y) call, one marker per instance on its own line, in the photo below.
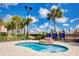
point(53, 14)
point(27, 22)
point(16, 20)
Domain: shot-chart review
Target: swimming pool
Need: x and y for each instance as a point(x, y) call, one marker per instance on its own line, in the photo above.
point(43, 47)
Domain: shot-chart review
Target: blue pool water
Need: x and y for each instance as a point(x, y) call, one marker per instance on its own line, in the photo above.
point(43, 47)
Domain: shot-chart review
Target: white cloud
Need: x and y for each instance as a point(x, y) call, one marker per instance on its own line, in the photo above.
point(54, 6)
point(62, 19)
point(7, 18)
point(43, 26)
point(43, 12)
point(6, 5)
point(36, 29)
point(39, 30)
point(64, 10)
point(33, 19)
point(58, 29)
point(71, 28)
point(77, 26)
point(47, 27)
point(66, 24)
point(51, 27)
point(74, 20)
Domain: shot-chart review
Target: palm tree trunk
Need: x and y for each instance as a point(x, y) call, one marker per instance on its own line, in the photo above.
point(16, 32)
point(27, 31)
point(54, 26)
point(24, 30)
point(7, 32)
point(12, 32)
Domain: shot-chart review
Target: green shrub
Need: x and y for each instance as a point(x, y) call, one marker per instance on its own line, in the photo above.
point(2, 38)
point(3, 34)
point(38, 37)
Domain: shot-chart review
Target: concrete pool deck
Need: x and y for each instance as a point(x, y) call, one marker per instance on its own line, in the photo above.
point(10, 49)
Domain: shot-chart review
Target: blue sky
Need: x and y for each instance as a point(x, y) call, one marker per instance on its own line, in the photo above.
point(39, 12)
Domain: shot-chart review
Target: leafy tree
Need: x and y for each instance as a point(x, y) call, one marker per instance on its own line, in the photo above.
point(10, 26)
point(17, 21)
point(27, 22)
point(54, 13)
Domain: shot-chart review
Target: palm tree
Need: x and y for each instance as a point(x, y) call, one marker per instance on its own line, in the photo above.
point(27, 22)
point(23, 24)
point(16, 20)
point(10, 26)
point(53, 14)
